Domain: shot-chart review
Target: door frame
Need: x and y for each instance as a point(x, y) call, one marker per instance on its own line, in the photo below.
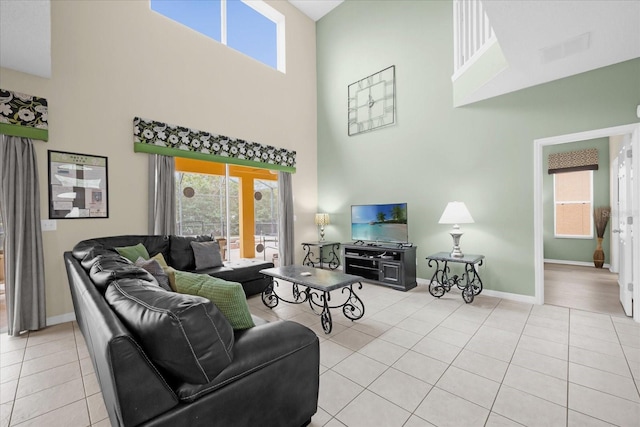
point(538, 239)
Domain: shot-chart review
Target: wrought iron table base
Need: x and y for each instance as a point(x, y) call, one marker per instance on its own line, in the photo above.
point(469, 282)
point(311, 261)
point(352, 308)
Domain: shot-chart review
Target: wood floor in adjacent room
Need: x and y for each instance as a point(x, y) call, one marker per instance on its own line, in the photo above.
point(585, 288)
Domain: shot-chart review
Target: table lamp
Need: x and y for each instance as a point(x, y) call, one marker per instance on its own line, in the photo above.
point(322, 219)
point(456, 213)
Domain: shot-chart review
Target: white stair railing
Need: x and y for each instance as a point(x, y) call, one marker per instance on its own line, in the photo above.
point(472, 33)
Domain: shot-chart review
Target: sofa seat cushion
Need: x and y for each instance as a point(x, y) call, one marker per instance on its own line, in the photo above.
point(242, 271)
point(187, 336)
point(255, 349)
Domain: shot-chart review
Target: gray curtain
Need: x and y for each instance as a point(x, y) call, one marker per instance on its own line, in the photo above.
point(162, 196)
point(285, 230)
point(24, 257)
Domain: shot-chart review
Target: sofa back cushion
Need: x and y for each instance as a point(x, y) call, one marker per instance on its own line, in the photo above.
point(153, 245)
point(185, 335)
point(108, 267)
point(182, 257)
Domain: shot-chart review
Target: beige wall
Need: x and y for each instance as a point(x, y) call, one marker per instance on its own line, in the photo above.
point(114, 60)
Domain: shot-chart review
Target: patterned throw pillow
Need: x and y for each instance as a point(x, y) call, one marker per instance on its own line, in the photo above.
point(207, 255)
point(156, 270)
point(132, 253)
point(229, 297)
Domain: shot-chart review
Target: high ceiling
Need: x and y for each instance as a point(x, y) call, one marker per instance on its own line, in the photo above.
point(534, 35)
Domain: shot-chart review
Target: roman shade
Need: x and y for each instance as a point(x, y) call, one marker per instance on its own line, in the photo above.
point(573, 161)
point(155, 137)
point(23, 115)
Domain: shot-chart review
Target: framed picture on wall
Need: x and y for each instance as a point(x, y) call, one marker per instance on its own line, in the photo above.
point(78, 186)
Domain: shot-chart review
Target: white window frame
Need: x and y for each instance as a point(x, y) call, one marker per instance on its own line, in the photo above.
point(268, 12)
point(556, 203)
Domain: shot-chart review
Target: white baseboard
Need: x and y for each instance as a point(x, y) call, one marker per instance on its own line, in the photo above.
point(496, 294)
point(509, 296)
point(566, 262)
point(62, 318)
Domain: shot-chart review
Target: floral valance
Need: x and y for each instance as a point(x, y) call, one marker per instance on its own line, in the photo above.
point(150, 136)
point(573, 161)
point(23, 115)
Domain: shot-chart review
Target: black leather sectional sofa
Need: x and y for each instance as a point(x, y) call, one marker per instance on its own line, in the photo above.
point(197, 371)
point(178, 253)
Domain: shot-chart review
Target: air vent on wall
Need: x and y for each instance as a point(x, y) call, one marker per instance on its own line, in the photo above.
point(567, 48)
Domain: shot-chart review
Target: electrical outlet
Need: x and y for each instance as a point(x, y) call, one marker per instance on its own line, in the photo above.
point(48, 224)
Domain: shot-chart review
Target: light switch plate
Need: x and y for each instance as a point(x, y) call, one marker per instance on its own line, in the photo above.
point(49, 224)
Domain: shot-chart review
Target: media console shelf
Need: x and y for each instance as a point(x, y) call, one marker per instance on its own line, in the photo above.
point(386, 265)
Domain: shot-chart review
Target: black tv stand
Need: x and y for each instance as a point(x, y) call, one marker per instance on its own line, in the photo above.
point(389, 265)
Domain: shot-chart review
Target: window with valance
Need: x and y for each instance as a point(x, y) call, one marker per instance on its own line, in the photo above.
point(573, 192)
point(155, 137)
point(23, 115)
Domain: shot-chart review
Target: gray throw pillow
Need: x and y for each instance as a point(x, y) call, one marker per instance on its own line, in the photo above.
point(156, 270)
point(207, 255)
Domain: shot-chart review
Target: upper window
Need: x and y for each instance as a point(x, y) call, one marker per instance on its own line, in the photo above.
point(248, 26)
point(573, 197)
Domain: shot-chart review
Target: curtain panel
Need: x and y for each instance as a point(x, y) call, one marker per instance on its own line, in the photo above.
point(24, 256)
point(23, 115)
point(285, 205)
point(573, 161)
point(155, 137)
point(162, 197)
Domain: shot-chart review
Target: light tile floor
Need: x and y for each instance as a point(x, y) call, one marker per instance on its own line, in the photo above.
point(412, 360)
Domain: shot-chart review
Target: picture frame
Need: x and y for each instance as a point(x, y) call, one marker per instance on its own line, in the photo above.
point(78, 185)
point(372, 102)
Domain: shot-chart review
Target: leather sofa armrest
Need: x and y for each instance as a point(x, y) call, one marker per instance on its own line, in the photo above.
point(256, 348)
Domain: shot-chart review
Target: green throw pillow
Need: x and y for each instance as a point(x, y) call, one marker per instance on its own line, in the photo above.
point(132, 253)
point(229, 297)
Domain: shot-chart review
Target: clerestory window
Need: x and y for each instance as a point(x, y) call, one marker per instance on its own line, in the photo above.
point(248, 26)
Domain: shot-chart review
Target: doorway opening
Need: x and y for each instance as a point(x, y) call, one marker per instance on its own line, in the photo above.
point(634, 244)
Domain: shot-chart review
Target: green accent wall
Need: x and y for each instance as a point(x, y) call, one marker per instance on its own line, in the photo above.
point(481, 154)
point(580, 250)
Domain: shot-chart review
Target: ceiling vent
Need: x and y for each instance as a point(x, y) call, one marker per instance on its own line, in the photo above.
point(567, 48)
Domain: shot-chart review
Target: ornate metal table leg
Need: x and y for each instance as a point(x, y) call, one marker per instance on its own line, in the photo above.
point(474, 278)
point(307, 258)
point(269, 297)
point(325, 316)
point(435, 287)
point(353, 307)
point(334, 259)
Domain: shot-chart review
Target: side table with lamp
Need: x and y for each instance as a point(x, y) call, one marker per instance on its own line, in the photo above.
point(469, 281)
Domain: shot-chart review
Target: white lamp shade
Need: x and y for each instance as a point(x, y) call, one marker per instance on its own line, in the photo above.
point(322, 218)
point(456, 213)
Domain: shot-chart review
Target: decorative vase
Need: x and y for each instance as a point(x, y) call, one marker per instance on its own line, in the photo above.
point(598, 255)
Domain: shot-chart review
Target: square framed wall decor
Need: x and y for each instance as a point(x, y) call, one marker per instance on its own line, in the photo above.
point(371, 102)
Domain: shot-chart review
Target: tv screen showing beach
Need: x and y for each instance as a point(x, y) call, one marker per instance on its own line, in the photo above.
point(380, 223)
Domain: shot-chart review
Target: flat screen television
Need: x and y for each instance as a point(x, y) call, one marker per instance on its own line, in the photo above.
point(380, 223)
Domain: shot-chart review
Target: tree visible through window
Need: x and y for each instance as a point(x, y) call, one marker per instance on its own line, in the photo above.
point(251, 27)
point(573, 197)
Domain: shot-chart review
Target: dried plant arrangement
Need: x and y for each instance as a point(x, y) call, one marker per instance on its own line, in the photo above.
point(601, 216)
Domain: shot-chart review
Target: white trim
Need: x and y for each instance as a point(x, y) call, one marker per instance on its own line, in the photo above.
point(491, 293)
point(568, 262)
point(62, 318)
point(538, 237)
point(527, 299)
point(279, 19)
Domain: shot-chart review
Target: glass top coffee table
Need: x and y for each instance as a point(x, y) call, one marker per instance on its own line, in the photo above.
point(316, 286)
